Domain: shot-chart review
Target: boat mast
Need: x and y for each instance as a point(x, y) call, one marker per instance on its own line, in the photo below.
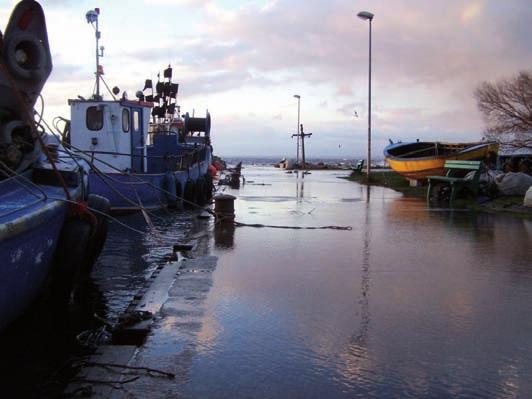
point(92, 18)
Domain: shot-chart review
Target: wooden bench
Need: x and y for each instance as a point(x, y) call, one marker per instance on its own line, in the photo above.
point(454, 179)
point(358, 167)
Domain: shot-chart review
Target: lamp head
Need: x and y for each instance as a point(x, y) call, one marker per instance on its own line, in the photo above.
point(365, 15)
point(297, 96)
point(92, 16)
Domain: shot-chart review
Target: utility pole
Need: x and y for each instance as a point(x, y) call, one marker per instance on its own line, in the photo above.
point(297, 126)
point(302, 134)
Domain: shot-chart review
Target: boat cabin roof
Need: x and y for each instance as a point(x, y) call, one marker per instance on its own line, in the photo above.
point(124, 103)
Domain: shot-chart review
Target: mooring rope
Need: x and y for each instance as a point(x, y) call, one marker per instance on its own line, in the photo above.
point(240, 224)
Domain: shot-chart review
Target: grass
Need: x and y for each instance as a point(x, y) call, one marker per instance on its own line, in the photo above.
point(389, 179)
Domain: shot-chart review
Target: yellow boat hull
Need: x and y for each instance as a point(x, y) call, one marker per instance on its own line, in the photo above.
point(421, 168)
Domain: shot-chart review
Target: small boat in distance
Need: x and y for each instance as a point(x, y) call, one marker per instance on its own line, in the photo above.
point(420, 159)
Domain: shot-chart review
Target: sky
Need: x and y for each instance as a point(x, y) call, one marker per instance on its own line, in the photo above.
point(245, 60)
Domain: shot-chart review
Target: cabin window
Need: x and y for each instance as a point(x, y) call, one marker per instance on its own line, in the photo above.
point(125, 120)
point(136, 121)
point(94, 118)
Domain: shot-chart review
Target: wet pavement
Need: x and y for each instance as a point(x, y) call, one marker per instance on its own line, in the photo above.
point(411, 302)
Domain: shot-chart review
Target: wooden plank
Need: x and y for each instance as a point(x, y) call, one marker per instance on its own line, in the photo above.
point(464, 161)
point(471, 165)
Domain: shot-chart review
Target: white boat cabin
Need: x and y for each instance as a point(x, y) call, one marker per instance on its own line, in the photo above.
point(114, 132)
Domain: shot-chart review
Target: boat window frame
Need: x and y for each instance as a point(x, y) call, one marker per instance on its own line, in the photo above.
point(94, 125)
point(136, 120)
point(125, 120)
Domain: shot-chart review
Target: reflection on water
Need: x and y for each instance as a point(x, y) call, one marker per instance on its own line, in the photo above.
point(300, 186)
point(411, 303)
point(224, 236)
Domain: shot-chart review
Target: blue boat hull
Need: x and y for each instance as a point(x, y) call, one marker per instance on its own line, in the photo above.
point(29, 232)
point(131, 192)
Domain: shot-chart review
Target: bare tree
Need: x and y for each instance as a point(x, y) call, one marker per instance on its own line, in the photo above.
point(506, 106)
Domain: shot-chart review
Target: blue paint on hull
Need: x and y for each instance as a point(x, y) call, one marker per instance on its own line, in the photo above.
point(152, 191)
point(29, 231)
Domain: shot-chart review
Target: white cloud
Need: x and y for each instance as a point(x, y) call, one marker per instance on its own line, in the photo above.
point(471, 11)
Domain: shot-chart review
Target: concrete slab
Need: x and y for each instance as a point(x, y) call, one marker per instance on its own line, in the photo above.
point(157, 292)
point(172, 343)
point(98, 381)
point(174, 297)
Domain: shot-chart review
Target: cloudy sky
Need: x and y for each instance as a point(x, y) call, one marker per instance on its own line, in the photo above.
point(244, 61)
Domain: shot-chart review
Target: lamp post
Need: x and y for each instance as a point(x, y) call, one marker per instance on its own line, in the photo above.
point(367, 16)
point(297, 128)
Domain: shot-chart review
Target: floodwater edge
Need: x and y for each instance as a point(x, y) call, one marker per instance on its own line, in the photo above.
point(508, 205)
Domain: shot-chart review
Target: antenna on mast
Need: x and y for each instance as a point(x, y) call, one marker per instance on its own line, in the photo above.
point(92, 18)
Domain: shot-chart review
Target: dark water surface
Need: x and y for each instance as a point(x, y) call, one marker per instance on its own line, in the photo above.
point(411, 303)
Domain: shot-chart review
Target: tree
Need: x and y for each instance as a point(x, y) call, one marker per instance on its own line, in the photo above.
point(506, 106)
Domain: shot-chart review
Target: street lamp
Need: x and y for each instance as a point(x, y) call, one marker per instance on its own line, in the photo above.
point(367, 16)
point(297, 127)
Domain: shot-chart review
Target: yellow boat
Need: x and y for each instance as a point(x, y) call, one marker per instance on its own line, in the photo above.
point(420, 159)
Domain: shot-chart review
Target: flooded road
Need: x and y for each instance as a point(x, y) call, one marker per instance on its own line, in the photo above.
point(410, 303)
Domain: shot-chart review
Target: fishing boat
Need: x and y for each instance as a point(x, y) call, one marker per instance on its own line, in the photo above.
point(420, 159)
point(143, 153)
point(46, 232)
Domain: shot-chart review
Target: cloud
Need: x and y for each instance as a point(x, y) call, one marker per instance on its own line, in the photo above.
point(471, 11)
point(189, 3)
point(427, 58)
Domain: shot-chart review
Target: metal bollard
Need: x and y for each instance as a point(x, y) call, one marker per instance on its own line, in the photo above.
point(224, 208)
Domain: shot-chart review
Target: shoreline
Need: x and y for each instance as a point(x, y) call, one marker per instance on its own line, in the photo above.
point(509, 205)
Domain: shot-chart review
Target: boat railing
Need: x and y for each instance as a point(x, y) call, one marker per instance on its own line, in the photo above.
point(183, 161)
point(128, 155)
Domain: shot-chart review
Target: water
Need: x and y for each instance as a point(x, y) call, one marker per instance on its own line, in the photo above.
point(410, 303)
point(128, 258)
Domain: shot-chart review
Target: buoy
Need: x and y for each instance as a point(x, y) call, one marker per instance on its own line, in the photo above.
point(200, 191)
point(99, 233)
point(69, 258)
point(190, 194)
point(169, 186)
point(208, 187)
point(179, 193)
point(212, 170)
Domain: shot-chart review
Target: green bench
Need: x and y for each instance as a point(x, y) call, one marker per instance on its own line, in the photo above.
point(358, 167)
point(454, 182)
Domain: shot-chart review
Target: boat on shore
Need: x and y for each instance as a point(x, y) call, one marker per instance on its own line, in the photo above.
point(48, 237)
point(143, 153)
point(420, 159)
